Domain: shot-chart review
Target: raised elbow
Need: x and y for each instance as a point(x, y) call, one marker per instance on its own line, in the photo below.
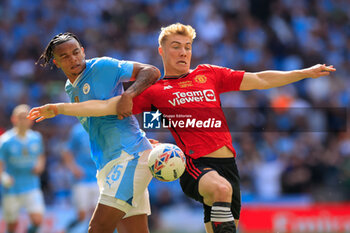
point(153, 73)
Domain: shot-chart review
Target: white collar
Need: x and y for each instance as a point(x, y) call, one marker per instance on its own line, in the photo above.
point(74, 84)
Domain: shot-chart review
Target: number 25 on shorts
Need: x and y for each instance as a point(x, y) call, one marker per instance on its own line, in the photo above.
point(114, 174)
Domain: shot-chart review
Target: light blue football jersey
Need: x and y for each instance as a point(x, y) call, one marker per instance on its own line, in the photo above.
point(79, 145)
point(19, 156)
point(102, 79)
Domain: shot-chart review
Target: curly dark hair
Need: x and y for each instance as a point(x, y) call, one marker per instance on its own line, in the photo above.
point(47, 55)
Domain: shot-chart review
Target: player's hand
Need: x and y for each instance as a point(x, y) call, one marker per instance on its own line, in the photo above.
point(6, 180)
point(44, 112)
point(124, 106)
point(154, 142)
point(319, 70)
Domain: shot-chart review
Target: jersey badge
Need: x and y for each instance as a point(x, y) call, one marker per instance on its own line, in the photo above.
point(25, 151)
point(200, 79)
point(185, 84)
point(86, 88)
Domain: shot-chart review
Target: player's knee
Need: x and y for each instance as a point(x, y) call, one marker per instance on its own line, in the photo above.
point(222, 191)
point(37, 219)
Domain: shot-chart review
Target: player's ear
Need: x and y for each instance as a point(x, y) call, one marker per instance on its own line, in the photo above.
point(160, 50)
point(55, 62)
point(83, 51)
point(13, 120)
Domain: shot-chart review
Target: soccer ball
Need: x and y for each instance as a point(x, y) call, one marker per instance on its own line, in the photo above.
point(167, 162)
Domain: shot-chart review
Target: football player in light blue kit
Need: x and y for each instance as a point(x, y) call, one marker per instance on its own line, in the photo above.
point(119, 148)
point(22, 160)
point(76, 157)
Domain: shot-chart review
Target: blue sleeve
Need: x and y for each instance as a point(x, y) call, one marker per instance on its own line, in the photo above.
point(125, 73)
point(123, 69)
point(107, 77)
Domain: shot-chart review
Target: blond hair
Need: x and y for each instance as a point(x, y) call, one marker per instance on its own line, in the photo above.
point(177, 28)
point(22, 108)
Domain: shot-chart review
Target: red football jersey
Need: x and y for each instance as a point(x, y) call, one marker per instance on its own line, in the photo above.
point(191, 107)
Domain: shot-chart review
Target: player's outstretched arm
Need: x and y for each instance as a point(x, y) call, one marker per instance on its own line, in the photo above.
point(94, 108)
point(270, 79)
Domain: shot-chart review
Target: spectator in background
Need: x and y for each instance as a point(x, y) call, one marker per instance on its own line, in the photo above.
point(22, 161)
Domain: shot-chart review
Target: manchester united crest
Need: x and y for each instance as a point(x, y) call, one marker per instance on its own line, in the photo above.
point(200, 79)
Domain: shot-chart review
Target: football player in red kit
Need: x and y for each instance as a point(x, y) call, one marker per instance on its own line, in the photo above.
point(190, 101)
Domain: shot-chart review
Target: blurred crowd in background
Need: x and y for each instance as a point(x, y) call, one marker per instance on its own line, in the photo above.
point(306, 152)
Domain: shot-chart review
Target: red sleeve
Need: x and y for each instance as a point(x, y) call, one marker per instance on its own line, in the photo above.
point(227, 79)
point(141, 103)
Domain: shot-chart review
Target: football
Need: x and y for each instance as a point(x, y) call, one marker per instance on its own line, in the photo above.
point(167, 162)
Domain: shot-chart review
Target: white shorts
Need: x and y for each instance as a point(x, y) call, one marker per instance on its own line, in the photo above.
point(85, 196)
point(32, 201)
point(123, 184)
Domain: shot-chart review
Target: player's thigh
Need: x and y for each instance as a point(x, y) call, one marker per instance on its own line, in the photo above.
point(141, 204)
point(135, 220)
point(105, 218)
point(125, 178)
point(10, 207)
point(34, 202)
point(133, 224)
point(142, 178)
point(123, 184)
point(209, 183)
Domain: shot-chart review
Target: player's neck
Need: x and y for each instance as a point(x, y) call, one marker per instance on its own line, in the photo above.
point(21, 132)
point(175, 76)
point(73, 77)
point(173, 72)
